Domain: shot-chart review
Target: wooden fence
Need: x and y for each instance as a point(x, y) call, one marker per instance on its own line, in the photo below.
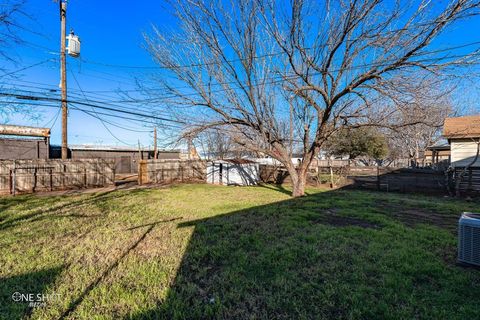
point(167, 171)
point(398, 180)
point(378, 178)
point(28, 176)
point(471, 180)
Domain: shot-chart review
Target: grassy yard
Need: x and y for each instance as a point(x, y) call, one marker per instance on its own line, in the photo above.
point(200, 251)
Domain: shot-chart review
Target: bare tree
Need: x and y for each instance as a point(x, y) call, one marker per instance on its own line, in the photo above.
point(11, 11)
point(215, 144)
point(425, 105)
point(259, 67)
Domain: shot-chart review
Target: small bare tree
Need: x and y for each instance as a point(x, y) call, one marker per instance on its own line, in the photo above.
point(292, 73)
point(10, 14)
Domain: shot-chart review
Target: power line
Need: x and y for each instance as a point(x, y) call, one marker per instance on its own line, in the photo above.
point(117, 107)
point(274, 80)
point(102, 122)
point(278, 53)
point(99, 113)
point(30, 97)
point(51, 88)
point(96, 92)
point(28, 67)
point(54, 119)
point(231, 60)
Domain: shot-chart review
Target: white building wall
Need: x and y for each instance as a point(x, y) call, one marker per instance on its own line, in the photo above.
point(233, 174)
point(212, 173)
point(463, 152)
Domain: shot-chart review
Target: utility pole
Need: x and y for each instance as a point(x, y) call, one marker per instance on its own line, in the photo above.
point(63, 76)
point(155, 143)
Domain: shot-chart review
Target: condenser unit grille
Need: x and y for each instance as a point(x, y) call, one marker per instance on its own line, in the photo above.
point(469, 239)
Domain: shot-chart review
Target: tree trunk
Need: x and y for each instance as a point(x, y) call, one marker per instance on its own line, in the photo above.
point(299, 185)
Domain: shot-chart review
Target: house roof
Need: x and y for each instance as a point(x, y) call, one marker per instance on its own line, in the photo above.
point(462, 127)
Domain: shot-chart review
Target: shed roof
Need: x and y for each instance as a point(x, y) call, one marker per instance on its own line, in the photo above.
point(440, 145)
point(462, 127)
point(12, 130)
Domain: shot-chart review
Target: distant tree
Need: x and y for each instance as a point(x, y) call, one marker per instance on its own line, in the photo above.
point(425, 106)
point(250, 67)
point(359, 142)
point(215, 144)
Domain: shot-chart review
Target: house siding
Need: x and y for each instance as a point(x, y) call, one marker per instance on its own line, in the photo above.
point(463, 152)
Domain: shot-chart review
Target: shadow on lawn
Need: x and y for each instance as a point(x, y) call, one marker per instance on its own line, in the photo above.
point(75, 303)
point(51, 212)
point(29, 283)
point(307, 258)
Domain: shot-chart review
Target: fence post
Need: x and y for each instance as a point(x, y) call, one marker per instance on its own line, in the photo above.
point(51, 179)
point(85, 176)
point(14, 176)
point(378, 177)
point(469, 179)
point(63, 176)
point(34, 179)
point(140, 173)
point(10, 181)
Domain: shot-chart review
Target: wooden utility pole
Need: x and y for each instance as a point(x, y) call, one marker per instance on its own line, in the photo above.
point(63, 76)
point(155, 143)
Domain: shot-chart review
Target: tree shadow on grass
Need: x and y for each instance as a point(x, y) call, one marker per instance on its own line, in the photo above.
point(78, 300)
point(34, 282)
point(324, 256)
point(46, 213)
point(276, 187)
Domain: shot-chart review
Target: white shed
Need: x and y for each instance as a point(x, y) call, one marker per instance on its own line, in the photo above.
point(237, 172)
point(463, 133)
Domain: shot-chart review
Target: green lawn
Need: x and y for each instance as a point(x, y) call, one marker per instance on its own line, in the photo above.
point(201, 251)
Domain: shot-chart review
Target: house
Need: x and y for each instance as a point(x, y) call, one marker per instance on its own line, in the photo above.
point(437, 155)
point(463, 134)
point(20, 142)
point(239, 172)
point(126, 158)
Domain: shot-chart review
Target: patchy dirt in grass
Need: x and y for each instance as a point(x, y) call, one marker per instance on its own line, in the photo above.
point(412, 217)
point(333, 219)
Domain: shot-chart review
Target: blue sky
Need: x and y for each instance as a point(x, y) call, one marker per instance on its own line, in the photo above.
point(111, 33)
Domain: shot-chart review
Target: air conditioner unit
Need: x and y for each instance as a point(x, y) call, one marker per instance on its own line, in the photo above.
point(469, 238)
